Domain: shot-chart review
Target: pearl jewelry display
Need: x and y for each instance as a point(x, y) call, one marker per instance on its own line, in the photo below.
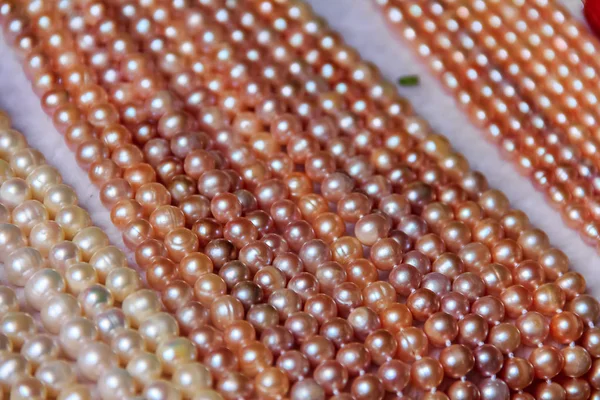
point(310, 235)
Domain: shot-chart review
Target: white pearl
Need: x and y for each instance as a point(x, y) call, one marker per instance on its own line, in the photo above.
point(59, 309)
point(42, 285)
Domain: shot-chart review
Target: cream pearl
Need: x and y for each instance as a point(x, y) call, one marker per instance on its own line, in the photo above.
point(11, 141)
point(14, 191)
point(75, 334)
point(144, 367)
point(59, 309)
point(28, 214)
point(140, 305)
point(22, 264)
point(56, 375)
point(123, 281)
point(80, 276)
point(24, 161)
point(73, 219)
point(173, 352)
point(162, 390)
point(8, 300)
point(110, 322)
point(95, 299)
point(63, 254)
point(116, 383)
point(190, 378)
point(11, 239)
point(157, 328)
point(57, 197)
point(95, 359)
point(12, 368)
point(42, 285)
point(28, 388)
point(75, 392)
point(17, 326)
point(106, 259)
point(6, 172)
point(40, 348)
point(126, 343)
point(41, 178)
point(89, 240)
point(45, 235)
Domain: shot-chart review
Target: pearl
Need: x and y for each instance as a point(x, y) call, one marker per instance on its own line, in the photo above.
point(116, 382)
point(95, 360)
point(174, 351)
point(106, 258)
point(42, 285)
point(161, 390)
point(140, 305)
point(75, 391)
point(75, 333)
point(192, 378)
point(17, 326)
point(307, 388)
point(40, 348)
point(56, 375)
point(426, 373)
point(28, 388)
point(144, 367)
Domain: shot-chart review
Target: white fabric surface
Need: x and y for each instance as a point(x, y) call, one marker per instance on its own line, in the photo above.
point(363, 27)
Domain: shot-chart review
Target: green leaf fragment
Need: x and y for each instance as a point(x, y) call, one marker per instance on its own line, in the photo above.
point(408, 80)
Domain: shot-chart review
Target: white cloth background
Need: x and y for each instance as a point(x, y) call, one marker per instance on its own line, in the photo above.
point(363, 27)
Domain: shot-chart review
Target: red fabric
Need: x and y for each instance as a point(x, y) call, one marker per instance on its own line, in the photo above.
point(591, 10)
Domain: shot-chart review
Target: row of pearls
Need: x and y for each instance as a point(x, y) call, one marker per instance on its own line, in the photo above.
point(422, 25)
point(553, 168)
point(97, 317)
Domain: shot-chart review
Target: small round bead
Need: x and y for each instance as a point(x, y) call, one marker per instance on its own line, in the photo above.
point(426, 373)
